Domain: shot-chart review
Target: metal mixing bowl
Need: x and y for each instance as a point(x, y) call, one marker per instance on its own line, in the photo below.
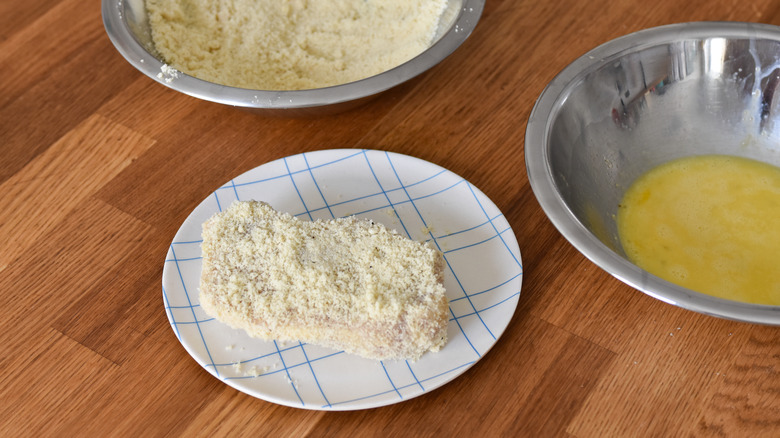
point(642, 100)
point(127, 26)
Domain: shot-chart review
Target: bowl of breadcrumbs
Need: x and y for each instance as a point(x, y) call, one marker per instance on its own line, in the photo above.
point(290, 57)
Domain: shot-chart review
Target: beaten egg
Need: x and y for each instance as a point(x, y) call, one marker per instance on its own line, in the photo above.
point(709, 223)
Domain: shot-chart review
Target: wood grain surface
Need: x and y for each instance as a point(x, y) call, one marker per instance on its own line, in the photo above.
point(99, 166)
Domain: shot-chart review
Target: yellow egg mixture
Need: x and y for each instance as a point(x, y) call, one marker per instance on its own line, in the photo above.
point(709, 223)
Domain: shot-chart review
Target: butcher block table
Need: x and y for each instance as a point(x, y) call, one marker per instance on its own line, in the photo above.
point(100, 166)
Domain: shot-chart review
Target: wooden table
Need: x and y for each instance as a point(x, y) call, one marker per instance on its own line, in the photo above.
point(100, 165)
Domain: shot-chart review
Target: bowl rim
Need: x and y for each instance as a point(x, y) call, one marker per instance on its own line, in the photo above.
point(114, 21)
point(537, 161)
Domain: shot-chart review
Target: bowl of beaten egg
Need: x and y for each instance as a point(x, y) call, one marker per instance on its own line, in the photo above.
point(656, 155)
point(294, 57)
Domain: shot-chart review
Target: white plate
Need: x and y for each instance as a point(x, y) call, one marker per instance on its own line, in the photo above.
point(419, 199)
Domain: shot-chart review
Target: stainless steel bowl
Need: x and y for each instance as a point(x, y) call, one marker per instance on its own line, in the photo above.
point(127, 26)
point(639, 101)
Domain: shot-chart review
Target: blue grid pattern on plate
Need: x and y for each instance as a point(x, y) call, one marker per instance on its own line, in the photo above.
point(402, 192)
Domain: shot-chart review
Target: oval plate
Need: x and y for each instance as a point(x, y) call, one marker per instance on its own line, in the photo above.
point(422, 201)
